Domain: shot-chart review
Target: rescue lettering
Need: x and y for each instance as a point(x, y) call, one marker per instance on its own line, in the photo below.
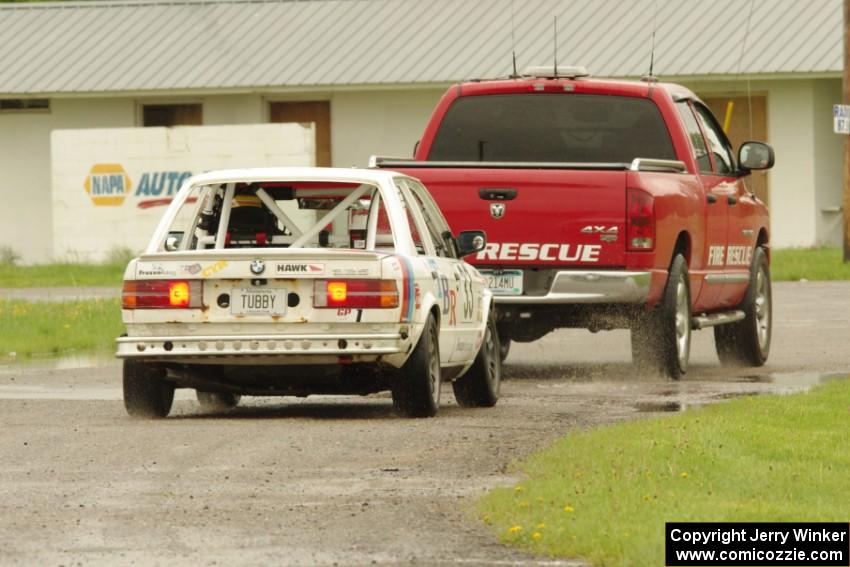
point(548, 252)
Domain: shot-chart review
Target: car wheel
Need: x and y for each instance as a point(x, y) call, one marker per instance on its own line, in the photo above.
point(146, 391)
point(661, 339)
point(504, 348)
point(747, 342)
point(416, 389)
point(217, 401)
point(479, 387)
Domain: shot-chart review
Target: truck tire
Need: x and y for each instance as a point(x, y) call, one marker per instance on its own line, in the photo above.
point(416, 390)
point(479, 387)
point(147, 394)
point(217, 401)
point(747, 342)
point(661, 339)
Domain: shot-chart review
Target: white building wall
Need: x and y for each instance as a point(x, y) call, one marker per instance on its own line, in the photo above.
point(829, 159)
point(806, 179)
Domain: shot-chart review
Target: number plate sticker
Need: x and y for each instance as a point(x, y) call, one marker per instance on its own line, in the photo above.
point(258, 301)
point(503, 282)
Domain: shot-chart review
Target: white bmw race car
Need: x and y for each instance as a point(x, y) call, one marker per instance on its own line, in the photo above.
point(299, 281)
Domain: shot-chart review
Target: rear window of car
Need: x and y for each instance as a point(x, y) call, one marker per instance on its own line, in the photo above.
point(575, 128)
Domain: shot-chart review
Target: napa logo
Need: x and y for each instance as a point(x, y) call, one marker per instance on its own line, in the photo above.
point(107, 184)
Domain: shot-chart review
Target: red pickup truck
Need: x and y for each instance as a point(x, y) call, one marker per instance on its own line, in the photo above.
point(607, 204)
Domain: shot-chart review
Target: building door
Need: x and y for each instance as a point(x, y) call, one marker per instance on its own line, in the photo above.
point(319, 113)
point(738, 130)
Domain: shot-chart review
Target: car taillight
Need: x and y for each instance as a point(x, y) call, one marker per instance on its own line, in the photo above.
point(640, 220)
point(162, 294)
point(355, 294)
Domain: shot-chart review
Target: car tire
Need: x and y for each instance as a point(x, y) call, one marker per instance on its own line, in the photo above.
point(479, 387)
point(747, 342)
point(504, 348)
point(661, 339)
point(416, 388)
point(147, 394)
point(217, 401)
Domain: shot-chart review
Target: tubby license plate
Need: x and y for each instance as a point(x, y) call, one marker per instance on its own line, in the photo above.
point(258, 301)
point(503, 282)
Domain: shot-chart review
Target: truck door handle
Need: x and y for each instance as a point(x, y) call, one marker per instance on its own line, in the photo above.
point(711, 199)
point(497, 193)
point(731, 200)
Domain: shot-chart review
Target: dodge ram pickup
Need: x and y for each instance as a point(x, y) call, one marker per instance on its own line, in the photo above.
point(607, 204)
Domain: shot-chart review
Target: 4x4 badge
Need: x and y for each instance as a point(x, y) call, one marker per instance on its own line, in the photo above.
point(497, 210)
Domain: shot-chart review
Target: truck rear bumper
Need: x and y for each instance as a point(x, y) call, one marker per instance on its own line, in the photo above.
point(588, 287)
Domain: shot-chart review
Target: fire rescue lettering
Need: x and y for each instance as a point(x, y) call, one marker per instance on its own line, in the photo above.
point(734, 255)
point(542, 252)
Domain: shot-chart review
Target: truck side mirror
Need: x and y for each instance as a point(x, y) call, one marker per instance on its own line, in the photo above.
point(755, 155)
point(470, 242)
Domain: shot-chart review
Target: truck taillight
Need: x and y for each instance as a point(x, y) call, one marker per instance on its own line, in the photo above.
point(162, 294)
point(640, 220)
point(355, 294)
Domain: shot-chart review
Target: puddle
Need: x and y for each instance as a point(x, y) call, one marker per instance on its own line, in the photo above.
point(652, 406)
point(66, 362)
point(790, 382)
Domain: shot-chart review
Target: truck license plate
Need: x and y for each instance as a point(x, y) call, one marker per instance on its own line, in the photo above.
point(258, 301)
point(504, 282)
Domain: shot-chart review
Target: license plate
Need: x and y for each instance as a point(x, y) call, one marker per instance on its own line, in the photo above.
point(258, 301)
point(504, 282)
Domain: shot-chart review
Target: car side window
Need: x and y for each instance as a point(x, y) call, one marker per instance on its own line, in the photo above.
point(437, 226)
point(695, 135)
point(418, 230)
point(721, 149)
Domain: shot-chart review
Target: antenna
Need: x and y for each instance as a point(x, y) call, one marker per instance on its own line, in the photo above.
point(652, 49)
point(513, 42)
point(556, 46)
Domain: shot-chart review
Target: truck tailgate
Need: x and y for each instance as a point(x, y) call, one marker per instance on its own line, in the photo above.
point(539, 218)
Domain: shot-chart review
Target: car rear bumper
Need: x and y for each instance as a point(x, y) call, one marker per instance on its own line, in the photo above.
point(320, 347)
point(588, 287)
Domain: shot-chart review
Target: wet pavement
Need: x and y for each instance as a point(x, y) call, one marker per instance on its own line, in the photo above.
point(340, 480)
point(58, 293)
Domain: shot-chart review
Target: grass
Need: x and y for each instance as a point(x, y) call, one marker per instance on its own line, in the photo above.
point(59, 275)
point(814, 264)
point(44, 328)
point(604, 495)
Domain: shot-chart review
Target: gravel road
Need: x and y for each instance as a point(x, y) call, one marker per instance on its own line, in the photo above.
point(338, 481)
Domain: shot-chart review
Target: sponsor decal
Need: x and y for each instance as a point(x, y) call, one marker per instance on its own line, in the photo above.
point(350, 271)
point(297, 269)
point(213, 268)
point(730, 255)
point(191, 269)
point(548, 252)
point(154, 270)
point(107, 184)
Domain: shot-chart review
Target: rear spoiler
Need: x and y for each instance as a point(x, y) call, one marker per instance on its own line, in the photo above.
point(638, 164)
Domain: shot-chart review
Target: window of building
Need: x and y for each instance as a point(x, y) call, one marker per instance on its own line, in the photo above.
point(24, 104)
point(172, 115)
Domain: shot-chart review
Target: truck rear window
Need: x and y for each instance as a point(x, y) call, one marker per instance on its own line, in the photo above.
point(575, 128)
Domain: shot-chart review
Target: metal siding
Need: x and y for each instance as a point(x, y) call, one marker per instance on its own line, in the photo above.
point(123, 46)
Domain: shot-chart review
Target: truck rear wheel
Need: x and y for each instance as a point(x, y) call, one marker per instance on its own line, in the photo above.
point(661, 339)
point(146, 391)
point(479, 387)
point(747, 342)
point(416, 390)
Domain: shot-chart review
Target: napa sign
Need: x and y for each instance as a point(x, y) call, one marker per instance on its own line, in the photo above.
point(108, 185)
